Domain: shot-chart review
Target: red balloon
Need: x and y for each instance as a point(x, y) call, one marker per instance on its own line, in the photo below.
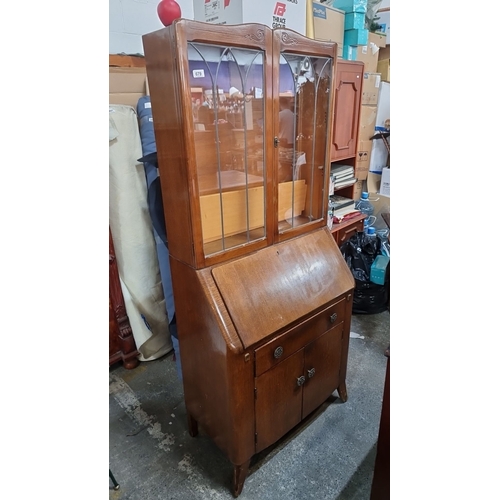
point(168, 11)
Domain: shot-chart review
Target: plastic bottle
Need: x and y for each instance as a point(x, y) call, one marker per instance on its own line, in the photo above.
point(365, 207)
point(371, 234)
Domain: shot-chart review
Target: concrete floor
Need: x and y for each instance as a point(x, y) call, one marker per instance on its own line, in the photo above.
point(330, 456)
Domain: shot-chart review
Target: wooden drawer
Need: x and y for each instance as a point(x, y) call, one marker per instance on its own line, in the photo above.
point(285, 345)
point(348, 231)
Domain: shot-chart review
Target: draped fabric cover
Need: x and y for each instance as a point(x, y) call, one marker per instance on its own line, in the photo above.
point(133, 236)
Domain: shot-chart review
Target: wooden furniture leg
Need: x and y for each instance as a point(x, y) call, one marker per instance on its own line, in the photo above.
point(342, 389)
point(239, 476)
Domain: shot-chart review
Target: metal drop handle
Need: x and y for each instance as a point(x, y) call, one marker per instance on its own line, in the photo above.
point(301, 380)
point(311, 372)
point(278, 352)
point(333, 317)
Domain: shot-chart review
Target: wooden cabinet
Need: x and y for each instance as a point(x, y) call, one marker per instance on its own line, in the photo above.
point(347, 108)
point(121, 342)
point(263, 295)
point(348, 94)
point(295, 373)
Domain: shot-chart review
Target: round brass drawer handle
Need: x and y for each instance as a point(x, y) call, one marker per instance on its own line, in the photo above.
point(278, 352)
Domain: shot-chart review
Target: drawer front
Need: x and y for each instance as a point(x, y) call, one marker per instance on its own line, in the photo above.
point(285, 345)
point(345, 233)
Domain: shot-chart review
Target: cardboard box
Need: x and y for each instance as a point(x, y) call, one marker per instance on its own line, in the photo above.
point(362, 163)
point(367, 118)
point(369, 53)
point(329, 25)
point(357, 189)
point(378, 39)
point(385, 182)
point(384, 68)
point(384, 53)
point(370, 88)
point(366, 130)
point(127, 85)
point(279, 14)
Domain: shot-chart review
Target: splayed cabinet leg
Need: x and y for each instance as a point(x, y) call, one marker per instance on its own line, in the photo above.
point(342, 389)
point(239, 476)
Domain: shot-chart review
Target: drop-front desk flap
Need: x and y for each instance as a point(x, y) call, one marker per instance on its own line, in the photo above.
point(266, 291)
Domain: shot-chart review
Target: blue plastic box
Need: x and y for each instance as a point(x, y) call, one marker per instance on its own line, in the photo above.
point(378, 269)
point(350, 52)
point(356, 37)
point(354, 21)
point(351, 5)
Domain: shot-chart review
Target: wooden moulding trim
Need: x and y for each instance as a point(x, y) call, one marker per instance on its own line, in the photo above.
point(127, 61)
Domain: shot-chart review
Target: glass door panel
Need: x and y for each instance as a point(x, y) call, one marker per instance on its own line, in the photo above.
point(304, 99)
point(228, 112)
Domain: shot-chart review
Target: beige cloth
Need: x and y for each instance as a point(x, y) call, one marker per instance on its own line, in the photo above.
point(133, 236)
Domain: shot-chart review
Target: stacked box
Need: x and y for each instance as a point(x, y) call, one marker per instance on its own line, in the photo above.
point(349, 6)
point(350, 52)
point(329, 25)
point(384, 68)
point(354, 21)
point(355, 37)
point(369, 53)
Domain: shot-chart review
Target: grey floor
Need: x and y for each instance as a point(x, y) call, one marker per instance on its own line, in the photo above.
point(330, 456)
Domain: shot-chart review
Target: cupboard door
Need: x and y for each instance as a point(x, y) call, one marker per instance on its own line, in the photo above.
point(229, 143)
point(278, 403)
point(303, 89)
point(322, 368)
point(348, 85)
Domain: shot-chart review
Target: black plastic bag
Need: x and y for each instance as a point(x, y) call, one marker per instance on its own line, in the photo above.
point(359, 252)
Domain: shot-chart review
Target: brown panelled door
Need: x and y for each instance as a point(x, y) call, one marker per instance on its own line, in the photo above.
point(348, 88)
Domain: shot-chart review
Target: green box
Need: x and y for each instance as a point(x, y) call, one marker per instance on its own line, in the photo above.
point(350, 52)
point(354, 21)
point(351, 5)
point(356, 37)
point(378, 269)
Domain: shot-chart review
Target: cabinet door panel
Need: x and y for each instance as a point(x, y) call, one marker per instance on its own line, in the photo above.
point(278, 404)
point(322, 368)
point(348, 84)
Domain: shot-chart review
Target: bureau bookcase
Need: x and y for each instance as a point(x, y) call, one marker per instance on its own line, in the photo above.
point(263, 295)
